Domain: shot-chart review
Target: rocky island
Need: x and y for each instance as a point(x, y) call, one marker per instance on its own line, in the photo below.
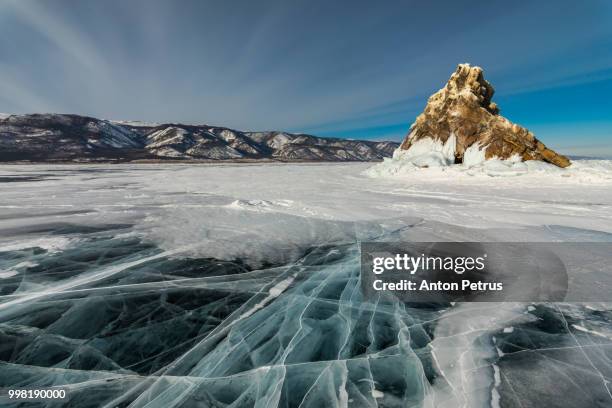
point(462, 123)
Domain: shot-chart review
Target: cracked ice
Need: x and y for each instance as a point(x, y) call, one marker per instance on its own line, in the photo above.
point(238, 285)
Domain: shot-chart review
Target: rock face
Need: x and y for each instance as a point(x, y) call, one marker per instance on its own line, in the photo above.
point(463, 114)
point(55, 137)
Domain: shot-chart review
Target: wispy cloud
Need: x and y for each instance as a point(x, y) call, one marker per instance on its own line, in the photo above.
point(15, 92)
point(353, 69)
point(72, 41)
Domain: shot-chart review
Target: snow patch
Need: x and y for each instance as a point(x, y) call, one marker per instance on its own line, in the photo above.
point(165, 137)
point(280, 287)
point(273, 293)
point(14, 270)
point(474, 155)
point(216, 152)
point(495, 397)
point(377, 394)
point(579, 172)
point(167, 152)
point(51, 245)
point(585, 330)
point(428, 152)
point(135, 123)
point(25, 264)
point(259, 205)
point(279, 141)
point(111, 135)
point(7, 274)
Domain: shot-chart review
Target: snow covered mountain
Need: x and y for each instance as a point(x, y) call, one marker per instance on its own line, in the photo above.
point(59, 137)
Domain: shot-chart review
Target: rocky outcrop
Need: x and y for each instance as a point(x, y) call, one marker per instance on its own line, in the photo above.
point(463, 113)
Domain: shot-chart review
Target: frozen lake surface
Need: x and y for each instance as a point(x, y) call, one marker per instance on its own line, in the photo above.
point(170, 285)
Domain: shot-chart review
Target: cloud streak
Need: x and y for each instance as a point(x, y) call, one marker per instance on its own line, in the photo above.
point(336, 68)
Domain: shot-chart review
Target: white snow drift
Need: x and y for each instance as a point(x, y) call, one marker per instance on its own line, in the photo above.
point(432, 158)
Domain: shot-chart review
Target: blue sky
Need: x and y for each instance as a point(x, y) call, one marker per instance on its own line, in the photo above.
point(333, 68)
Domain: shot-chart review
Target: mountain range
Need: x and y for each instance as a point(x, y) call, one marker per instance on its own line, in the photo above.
point(67, 138)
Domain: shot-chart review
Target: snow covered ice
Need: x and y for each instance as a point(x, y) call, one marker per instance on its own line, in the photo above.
point(170, 285)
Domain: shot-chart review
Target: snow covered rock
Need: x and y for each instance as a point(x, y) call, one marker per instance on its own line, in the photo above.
point(460, 122)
